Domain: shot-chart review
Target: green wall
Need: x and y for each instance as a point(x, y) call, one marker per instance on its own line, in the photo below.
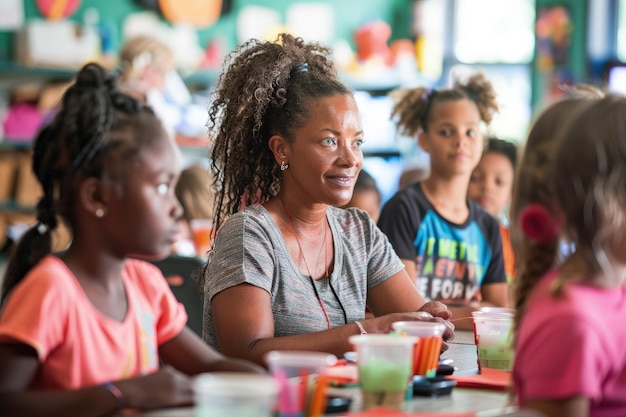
point(349, 15)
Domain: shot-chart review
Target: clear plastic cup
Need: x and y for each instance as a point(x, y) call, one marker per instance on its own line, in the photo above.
point(493, 336)
point(293, 370)
point(385, 366)
point(497, 310)
point(234, 394)
point(428, 347)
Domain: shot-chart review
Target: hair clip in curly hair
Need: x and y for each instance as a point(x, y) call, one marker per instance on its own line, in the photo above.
point(428, 94)
point(539, 224)
point(301, 68)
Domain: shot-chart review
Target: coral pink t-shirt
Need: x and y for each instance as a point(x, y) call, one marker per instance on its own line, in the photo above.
point(76, 344)
point(574, 345)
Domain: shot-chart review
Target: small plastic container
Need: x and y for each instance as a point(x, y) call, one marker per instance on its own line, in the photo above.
point(385, 366)
point(234, 394)
point(292, 371)
point(432, 387)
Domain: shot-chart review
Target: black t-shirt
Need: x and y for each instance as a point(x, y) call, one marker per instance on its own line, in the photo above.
point(453, 260)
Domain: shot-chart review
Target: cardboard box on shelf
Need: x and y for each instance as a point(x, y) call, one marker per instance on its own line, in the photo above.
point(3, 230)
point(8, 170)
point(27, 190)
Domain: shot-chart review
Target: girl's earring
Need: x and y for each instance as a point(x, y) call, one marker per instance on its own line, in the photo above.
point(283, 165)
point(99, 213)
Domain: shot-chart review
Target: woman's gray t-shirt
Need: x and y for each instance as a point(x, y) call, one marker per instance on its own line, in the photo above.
point(250, 248)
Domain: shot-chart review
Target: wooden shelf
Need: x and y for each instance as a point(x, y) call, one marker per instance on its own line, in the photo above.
point(14, 207)
point(15, 71)
point(20, 71)
point(13, 144)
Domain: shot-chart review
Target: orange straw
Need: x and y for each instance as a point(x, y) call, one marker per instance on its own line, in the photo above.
point(319, 397)
point(434, 359)
point(417, 353)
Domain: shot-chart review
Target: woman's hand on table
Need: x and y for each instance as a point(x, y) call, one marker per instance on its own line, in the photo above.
point(440, 312)
point(382, 324)
point(433, 311)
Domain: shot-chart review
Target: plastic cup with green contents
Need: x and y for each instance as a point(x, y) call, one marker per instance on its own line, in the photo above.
point(385, 365)
point(492, 335)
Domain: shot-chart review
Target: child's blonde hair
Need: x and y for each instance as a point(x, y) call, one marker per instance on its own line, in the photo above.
point(414, 106)
point(195, 193)
point(533, 185)
point(141, 51)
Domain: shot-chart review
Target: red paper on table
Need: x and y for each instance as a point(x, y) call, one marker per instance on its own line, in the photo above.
point(389, 412)
point(494, 379)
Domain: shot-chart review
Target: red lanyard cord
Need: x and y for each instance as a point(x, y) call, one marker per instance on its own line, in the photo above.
point(319, 299)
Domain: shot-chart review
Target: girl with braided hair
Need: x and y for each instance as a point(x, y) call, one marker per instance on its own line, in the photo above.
point(566, 213)
point(450, 246)
point(541, 249)
point(83, 333)
point(292, 270)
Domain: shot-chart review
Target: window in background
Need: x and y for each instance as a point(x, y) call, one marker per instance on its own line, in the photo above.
point(485, 32)
point(621, 31)
point(616, 78)
point(502, 48)
point(513, 91)
point(379, 130)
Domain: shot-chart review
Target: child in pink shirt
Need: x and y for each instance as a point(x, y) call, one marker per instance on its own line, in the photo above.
point(85, 332)
point(570, 347)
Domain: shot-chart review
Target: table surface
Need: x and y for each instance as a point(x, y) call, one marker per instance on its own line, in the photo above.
point(463, 352)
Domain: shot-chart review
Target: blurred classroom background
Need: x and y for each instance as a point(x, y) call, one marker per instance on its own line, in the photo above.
point(528, 49)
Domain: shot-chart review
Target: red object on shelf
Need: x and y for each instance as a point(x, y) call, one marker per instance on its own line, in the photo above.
point(57, 9)
point(371, 41)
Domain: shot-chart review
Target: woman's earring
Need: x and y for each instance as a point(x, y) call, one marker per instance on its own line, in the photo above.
point(99, 213)
point(283, 165)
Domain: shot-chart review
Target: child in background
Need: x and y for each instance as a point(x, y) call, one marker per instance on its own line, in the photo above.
point(194, 192)
point(412, 175)
point(450, 246)
point(570, 340)
point(148, 72)
point(535, 160)
point(491, 186)
point(83, 333)
point(366, 195)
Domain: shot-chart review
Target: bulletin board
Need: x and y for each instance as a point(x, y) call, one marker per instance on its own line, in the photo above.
point(349, 15)
point(560, 56)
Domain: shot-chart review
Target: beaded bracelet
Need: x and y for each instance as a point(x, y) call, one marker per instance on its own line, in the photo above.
point(119, 396)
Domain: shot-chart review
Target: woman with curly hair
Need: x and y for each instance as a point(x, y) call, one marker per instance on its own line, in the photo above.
point(291, 270)
point(450, 246)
